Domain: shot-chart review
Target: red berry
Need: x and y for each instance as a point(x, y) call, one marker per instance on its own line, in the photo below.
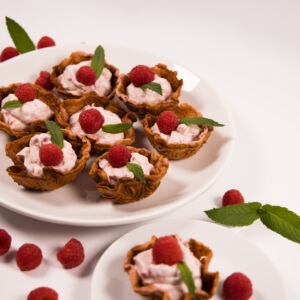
point(51, 155)
point(166, 250)
point(141, 75)
point(5, 242)
point(44, 81)
point(86, 75)
point(29, 257)
point(8, 52)
point(91, 120)
point(71, 255)
point(44, 42)
point(237, 286)
point(167, 122)
point(25, 93)
point(232, 197)
point(43, 293)
point(118, 155)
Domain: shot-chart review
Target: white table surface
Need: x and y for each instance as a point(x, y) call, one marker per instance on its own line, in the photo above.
point(248, 51)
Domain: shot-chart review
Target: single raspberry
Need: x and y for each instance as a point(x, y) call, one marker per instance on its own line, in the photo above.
point(44, 42)
point(5, 242)
point(86, 75)
point(237, 286)
point(167, 122)
point(71, 255)
point(141, 75)
point(91, 120)
point(118, 155)
point(29, 257)
point(166, 250)
point(232, 197)
point(8, 52)
point(44, 81)
point(51, 155)
point(43, 293)
point(25, 93)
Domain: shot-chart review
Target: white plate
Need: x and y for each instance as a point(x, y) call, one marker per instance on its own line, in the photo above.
point(231, 253)
point(79, 203)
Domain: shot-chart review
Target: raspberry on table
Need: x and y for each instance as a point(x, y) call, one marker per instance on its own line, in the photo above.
point(166, 250)
point(29, 257)
point(140, 75)
point(91, 120)
point(231, 197)
point(86, 75)
point(44, 81)
point(25, 93)
point(42, 293)
point(8, 52)
point(118, 155)
point(51, 155)
point(45, 42)
point(167, 122)
point(5, 242)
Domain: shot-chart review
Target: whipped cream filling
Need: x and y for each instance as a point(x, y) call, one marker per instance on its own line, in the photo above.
point(20, 118)
point(101, 87)
point(32, 160)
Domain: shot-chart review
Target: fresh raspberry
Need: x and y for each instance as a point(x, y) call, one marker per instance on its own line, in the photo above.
point(237, 286)
point(25, 93)
point(44, 81)
point(8, 52)
point(118, 155)
point(166, 250)
point(44, 42)
point(86, 75)
point(167, 122)
point(43, 293)
point(232, 197)
point(71, 255)
point(5, 242)
point(141, 75)
point(91, 120)
point(51, 155)
point(29, 257)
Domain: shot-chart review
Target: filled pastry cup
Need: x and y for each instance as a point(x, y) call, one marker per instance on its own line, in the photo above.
point(203, 253)
point(43, 95)
point(127, 190)
point(155, 109)
point(177, 150)
point(51, 178)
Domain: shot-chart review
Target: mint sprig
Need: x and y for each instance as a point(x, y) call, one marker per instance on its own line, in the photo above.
point(116, 128)
point(12, 104)
point(56, 134)
point(187, 277)
point(98, 61)
point(137, 171)
point(154, 86)
point(199, 121)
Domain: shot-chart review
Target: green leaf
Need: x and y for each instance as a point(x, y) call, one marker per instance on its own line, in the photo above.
point(56, 134)
point(199, 121)
point(98, 61)
point(154, 86)
point(19, 36)
point(12, 104)
point(187, 277)
point(282, 221)
point(116, 128)
point(137, 171)
point(236, 215)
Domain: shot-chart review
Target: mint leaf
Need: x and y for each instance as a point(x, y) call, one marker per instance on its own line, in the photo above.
point(137, 171)
point(187, 277)
point(236, 215)
point(56, 134)
point(154, 86)
point(199, 121)
point(19, 36)
point(116, 128)
point(12, 104)
point(97, 62)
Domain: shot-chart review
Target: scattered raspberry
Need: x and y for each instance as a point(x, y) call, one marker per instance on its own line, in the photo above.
point(232, 197)
point(118, 155)
point(8, 52)
point(44, 42)
point(141, 75)
point(166, 250)
point(51, 155)
point(44, 81)
point(167, 122)
point(25, 93)
point(91, 120)
point(5, 242)
point(29, 257)
point(237, 286)
point(86, 75)
point(71, 255)
point(43, 293)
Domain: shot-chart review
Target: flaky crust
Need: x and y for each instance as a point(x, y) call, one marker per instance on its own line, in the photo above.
point(144, 108)
point(36, 126)
point(52, 179)
point(200, 251)
point(178, 150)
point(128, 190)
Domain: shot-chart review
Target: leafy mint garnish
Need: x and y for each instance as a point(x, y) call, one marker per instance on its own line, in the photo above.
point(116, 128)
point(12, 104)
point(19, 36)
point(199, 121)
point(137, 171)
point(98, 61)
point(56, 134)
point(187, 277)
point(154, 86)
